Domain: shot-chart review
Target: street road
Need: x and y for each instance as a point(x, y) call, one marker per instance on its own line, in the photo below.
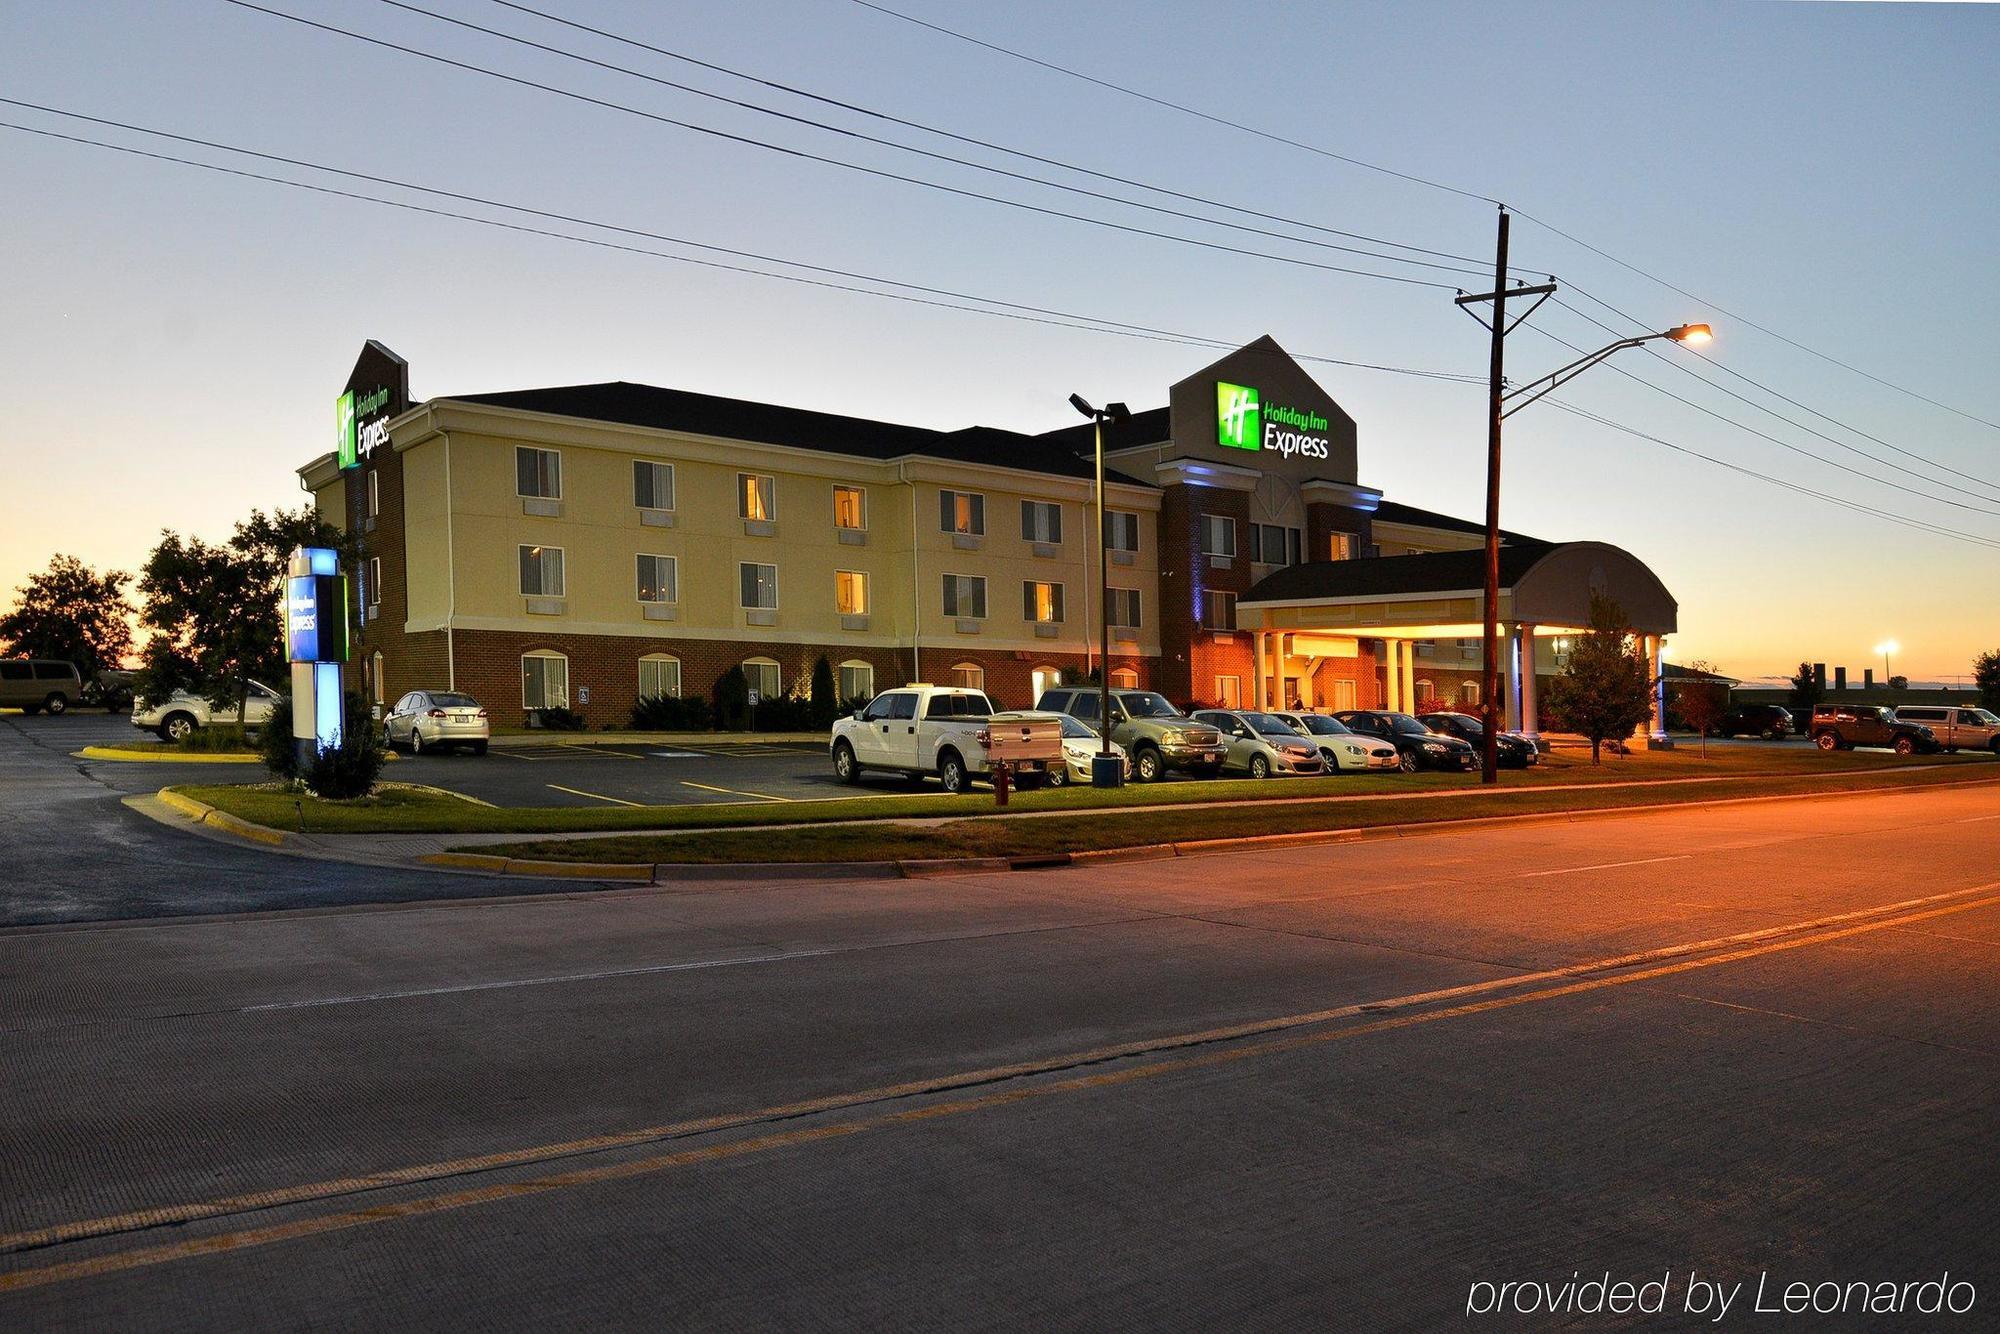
point(1336, 1085)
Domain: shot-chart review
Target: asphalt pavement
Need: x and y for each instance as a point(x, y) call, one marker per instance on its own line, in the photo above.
point(1337, 1086)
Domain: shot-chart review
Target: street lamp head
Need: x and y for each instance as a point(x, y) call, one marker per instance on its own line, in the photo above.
point(1117, 412)
point(1078, 402)
point(1888, 646)
point(1691, 333)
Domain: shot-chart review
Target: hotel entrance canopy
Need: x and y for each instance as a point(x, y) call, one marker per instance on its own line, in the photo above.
point(1303, 613)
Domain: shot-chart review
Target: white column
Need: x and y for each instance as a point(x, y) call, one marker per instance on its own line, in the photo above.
point(1310, 665)
point(1531, 721)
point(1409, 675)
point(1656, 664)
point(1513, 718)
point(1257, 639)
point(1392, 675)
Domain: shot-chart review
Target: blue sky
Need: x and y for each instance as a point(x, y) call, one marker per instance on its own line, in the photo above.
point(1828, 171)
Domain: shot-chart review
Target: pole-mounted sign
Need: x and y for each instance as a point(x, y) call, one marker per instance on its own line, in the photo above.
point(316, 645)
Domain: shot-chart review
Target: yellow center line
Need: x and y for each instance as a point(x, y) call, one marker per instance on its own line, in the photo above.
point(1205, 1058)
point(594, 796)
point(733, 792)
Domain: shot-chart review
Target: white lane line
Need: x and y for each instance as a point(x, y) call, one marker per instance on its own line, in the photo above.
point(595, 796)
point(529, 982)
point(1605, 866)
point(1975, 819)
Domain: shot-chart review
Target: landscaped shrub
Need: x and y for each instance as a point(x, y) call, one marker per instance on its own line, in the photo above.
point(556, 719)
point(672, 713)
point(732, 700)
point(786, 713)
point(280, 751)
point(825, 699)
point(351, 768)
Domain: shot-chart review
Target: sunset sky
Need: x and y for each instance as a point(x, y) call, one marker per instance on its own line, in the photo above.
point(175, 337)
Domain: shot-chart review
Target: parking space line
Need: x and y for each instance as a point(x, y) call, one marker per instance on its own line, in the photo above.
point(595, 796)
point(730, 791)
point(1606, 866)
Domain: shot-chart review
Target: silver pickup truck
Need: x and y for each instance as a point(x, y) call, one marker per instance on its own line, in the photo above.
point(949, 731)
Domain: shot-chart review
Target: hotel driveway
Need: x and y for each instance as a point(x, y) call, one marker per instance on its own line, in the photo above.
point(1336, 1085)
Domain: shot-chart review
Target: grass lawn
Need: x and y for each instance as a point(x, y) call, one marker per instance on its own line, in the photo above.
point(1002, 836)
point(406, 811)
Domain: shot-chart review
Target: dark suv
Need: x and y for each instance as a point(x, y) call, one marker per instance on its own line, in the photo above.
point(1511, 750)
point(1845, 726)
point(1769, 721)
point(1419, 747)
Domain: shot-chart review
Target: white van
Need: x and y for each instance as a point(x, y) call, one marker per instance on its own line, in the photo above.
point(38, 685)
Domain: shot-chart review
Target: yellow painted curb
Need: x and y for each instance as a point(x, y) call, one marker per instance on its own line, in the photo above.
point(184, 804)
point(203, 813)
point(464, 861)
point(161, 756)
point(582, 870)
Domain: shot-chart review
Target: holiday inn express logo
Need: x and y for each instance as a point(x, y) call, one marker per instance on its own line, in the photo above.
point(345, 444)
point(1239, 417)
point(1242, 421)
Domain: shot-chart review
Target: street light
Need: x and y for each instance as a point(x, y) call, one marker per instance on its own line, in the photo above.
point(1885, 648)
point(1498, 399)
point(1104, 771)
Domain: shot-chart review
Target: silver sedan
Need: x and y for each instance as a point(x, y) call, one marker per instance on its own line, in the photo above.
point(435, 720)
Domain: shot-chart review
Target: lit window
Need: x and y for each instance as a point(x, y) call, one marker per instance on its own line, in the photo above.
point(1041, 521)
point(652, 485)
point(1340, 546)
point(1469, 692)
point(537, 473)
point(1426, 692)
point(542, 572)
point(762, 675)
point(1121, 530)
point(760, 586)
point(659, 676)
point(1218, 610)
point(1229, 692)
point(1042, 602)
point(372, 594)
point(850, 593)
point(965, 595)
point(1218, 535)
point(850, 508)
point(1124, 678)
point(544, 681)
point(659, 579)
point(1121, 607)
point(857, 681)
point(969, 675)
point(756, 497)
point(962, 512)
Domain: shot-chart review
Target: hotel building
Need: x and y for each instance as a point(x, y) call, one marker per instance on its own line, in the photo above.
point(584, 545)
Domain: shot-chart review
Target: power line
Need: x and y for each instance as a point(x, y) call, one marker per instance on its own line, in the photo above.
point(972, 140)
point(1010, 309)
point(838, 162)
point(1187, 110)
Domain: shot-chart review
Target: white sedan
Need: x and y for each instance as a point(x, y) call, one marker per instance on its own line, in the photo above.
point(1344, 748)
point(1079, 744)
point(180, 714)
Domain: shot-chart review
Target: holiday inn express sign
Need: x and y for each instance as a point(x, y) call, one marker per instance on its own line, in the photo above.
point(1244, 421)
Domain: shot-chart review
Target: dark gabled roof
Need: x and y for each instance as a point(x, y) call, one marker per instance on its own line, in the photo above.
point(629, 404)
point(1388, 511)
point(1141, 428)
point(1395, 576)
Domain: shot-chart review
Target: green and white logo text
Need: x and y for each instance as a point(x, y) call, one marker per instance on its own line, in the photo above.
point(1242, 421)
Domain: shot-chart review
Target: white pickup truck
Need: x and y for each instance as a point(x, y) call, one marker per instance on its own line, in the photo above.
point(181, 713)
point(950, 731)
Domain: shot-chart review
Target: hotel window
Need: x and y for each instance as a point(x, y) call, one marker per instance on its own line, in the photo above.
point(760, 586)
point(537, 473)
point(857, 681)
point(965, 595)
point(962, 512)
point(1468, 693)
point(374, 493)
point(762, 676)
point(757, 497)
point(372, 594)
point(1218, 610)
point(652, 485)
point(659, 579)
point(1124, 678)
point(1229, 692)
point(659, 676)
point(850, 508)
point(1042, 602)
point(1340, 546)
point(1218, 535)
point(969, 676)
point(1121, 531)
point(1041, 521)
point(850, 593)
point(1271, 544)
point(542, 572)
point(1426, 692)
point(1121, 607)
point(544, 680)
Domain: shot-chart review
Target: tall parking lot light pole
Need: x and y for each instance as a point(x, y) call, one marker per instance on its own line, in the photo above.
point(1885, 648)
point(1102, 773)
point(1502, 403)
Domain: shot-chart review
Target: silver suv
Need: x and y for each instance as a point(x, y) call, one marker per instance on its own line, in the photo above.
point(1955, 727)
point(1152, 731)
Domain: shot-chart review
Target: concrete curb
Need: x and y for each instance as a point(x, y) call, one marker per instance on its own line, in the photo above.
point(204, 814)
point(121, 755)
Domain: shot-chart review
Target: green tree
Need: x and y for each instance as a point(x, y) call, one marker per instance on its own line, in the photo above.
point(216, 611)
point(1701, 702)
point(1986, 675)
point(1605, 690)
point(1805, 693)
point(70, 611)
point(825, 694)
point(732, 700)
